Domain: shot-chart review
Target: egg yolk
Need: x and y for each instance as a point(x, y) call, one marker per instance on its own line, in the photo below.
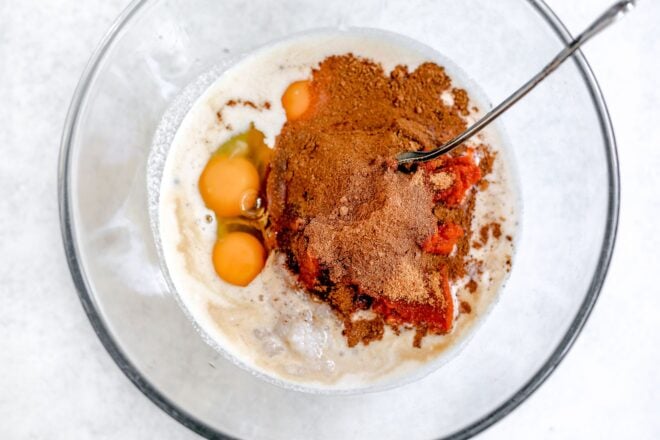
point(225, 182)
point(238, 257)
point(296, 99)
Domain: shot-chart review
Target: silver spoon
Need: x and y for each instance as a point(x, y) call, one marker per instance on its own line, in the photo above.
point(608, 17)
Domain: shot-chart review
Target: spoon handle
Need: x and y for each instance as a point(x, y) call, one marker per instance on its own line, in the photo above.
point(605, 19)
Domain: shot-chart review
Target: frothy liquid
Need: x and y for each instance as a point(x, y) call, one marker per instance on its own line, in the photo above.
point(271, 327)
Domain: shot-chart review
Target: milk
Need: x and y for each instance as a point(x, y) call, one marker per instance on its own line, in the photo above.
point(270, 327)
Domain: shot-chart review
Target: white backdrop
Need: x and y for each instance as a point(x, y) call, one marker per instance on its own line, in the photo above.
point(57, 381)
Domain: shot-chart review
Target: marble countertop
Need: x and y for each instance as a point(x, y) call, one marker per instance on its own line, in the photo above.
point(57, 381)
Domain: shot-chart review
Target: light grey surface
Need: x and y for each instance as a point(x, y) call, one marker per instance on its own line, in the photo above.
point(56, 381)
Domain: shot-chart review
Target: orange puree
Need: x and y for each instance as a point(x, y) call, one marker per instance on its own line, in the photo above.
point(444, 239)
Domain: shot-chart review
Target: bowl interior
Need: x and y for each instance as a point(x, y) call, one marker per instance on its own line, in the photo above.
point(567, 174)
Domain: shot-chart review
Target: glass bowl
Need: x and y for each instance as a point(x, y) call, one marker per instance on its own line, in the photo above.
point(563, 149)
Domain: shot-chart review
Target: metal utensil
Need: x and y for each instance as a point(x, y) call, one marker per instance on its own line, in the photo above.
point(608, 17)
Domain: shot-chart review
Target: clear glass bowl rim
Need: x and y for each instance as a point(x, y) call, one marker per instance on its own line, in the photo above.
point(84, 292)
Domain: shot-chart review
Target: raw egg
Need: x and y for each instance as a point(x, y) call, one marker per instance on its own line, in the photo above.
point(225, 182)
point(296, 99)
point(238, 257)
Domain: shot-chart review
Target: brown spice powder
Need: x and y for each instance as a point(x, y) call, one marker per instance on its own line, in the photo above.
point(349, 224)
point(377, 244)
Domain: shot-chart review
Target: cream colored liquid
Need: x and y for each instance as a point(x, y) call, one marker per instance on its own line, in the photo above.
point(270, 327)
